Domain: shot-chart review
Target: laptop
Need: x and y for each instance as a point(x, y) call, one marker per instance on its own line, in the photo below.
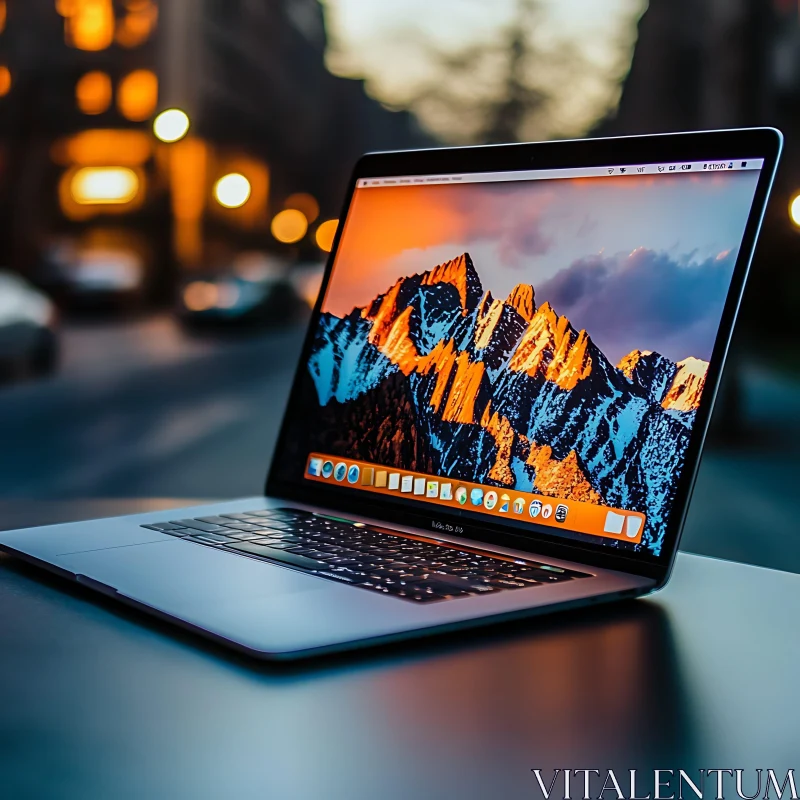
point(498, 410)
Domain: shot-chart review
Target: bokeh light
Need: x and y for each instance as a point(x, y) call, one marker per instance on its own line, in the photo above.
point(88, 24)
point(200, 295)
point(135, 27)
point(289, 226)
point(99, 147)
point(137, 95)
point(326, 233)
point(794, 209)
point(93, 92)
point(304, 202)
point(104, 185)
point(171, 125)
point(5, 80)
point(232, 190)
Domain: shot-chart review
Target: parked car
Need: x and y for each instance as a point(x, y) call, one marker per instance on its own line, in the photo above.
point(92, 277)
point(28, 330)
point(256, 292)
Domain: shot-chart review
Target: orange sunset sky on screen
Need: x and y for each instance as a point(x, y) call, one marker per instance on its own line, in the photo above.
point(381, 224)
point(527, 231)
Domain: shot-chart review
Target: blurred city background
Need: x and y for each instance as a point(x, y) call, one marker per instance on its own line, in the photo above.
point(171, 172)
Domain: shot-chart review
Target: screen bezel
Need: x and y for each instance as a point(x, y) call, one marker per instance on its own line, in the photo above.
point(723, 145)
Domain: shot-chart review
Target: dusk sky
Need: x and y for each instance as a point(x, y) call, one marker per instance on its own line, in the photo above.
point(640, 262)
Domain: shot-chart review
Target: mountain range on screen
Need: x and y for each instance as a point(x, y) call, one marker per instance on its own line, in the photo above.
point(436, 375)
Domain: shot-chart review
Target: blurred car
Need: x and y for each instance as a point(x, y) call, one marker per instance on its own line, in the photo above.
point(93, 277)
point(255, 293)
point(28, 335)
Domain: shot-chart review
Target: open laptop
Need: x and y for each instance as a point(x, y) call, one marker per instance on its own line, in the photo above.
point(499, 407)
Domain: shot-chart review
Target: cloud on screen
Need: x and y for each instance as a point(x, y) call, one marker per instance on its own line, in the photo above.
point(646, 300)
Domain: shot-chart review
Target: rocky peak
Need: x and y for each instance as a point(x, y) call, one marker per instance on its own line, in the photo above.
point(628, 364)
point(498, 328)
point(650, 371)
point(468, 392)
point(459, 272)
point(687, 385)
point(486, 319)
point(552, 347)
point(487, 301)
point(418, 310)
point(522, 299)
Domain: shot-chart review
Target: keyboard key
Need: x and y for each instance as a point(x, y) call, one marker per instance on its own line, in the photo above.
point(276, 525)
point(345, 577)
point(200, 526)
point(544, 576)
point(390, 564)
point(209, 538)
point(172, 530)
point(273, 544)
point(282, 537)
point(387, 573)
point(507, 583)
point(278, 555)
point(317, 554)
point(277, 514)
point(243, 526)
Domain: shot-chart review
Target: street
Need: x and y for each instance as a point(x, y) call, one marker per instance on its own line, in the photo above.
point(143, 410)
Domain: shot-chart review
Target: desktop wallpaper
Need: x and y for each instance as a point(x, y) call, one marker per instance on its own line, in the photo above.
point(547, 336)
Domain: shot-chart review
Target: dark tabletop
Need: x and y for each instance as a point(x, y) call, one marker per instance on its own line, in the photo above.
point(100, 701)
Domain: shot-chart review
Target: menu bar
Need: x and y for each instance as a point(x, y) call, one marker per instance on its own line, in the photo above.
point(571, 515)
point(616, 170)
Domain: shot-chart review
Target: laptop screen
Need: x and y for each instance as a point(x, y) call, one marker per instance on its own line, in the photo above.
point(526, 346)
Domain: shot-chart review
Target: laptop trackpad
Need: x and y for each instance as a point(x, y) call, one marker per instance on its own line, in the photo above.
point(173, 575)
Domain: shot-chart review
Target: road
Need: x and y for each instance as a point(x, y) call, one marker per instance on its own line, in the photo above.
point(141, 410)
point(145, 411)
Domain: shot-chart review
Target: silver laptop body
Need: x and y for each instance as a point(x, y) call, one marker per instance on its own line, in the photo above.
point(488, 393)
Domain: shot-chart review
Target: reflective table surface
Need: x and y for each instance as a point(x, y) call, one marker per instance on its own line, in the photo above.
point(101, 701)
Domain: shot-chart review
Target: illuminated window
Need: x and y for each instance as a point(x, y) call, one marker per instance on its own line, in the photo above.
point(93, 93)
point(137, 95)
point(88, 24)
point(3, 13)
point(5, 80)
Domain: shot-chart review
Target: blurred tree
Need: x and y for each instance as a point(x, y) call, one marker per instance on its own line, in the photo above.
point(526, 82)
point(491, 91)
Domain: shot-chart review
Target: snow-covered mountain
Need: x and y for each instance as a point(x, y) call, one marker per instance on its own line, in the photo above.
point(651, 371)
point(505, 393)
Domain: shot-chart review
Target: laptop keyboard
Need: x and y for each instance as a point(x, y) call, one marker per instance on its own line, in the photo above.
point(413, 569)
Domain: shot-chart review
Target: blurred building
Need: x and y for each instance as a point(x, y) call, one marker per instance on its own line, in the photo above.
point(706, 64)
point(252, 77)
point(81, 82)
